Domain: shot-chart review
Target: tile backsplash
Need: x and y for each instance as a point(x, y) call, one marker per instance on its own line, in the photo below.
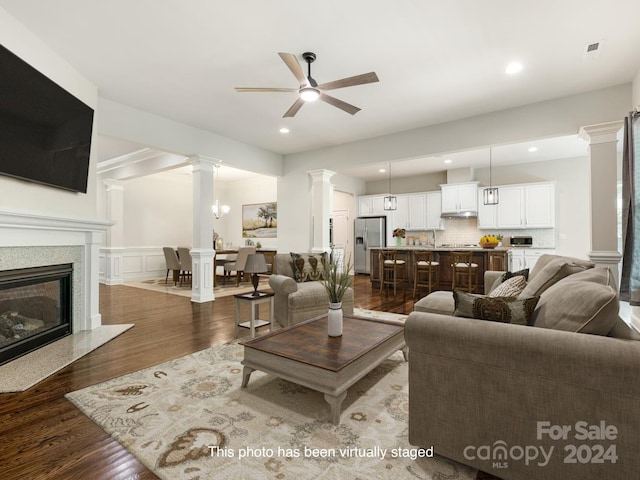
point(465, 230)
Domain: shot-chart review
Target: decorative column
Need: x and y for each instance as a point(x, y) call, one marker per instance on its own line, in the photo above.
point(92, 318)
point(202, 251)
point(114, 250)
point(321, 200)
point(603, 161)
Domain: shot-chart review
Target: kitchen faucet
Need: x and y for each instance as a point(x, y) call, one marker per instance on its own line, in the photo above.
point(433, 237)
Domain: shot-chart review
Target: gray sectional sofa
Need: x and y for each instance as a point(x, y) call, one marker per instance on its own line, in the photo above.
point(555, 401)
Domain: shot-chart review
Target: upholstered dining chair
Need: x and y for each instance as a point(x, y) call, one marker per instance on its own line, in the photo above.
point(172, 261)
point(185, 263)
point(238, 265)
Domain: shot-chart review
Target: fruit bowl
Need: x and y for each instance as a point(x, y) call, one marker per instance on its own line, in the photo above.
point(489, 244)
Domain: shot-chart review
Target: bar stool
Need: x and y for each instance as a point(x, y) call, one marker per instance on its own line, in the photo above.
point(392, 270)
point(426, 272)
point(465, 272)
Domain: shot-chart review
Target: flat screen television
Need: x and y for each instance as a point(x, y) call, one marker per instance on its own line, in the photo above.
point(45, 132)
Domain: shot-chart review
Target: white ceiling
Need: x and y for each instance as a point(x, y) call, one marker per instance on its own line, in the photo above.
point(437, 61)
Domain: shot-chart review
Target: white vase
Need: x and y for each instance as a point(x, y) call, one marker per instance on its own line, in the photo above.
point(335, 319)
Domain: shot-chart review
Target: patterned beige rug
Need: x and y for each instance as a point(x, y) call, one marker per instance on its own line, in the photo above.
point(189, 419)
point(184, 290)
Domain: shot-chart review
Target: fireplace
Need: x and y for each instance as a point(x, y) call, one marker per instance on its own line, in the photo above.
point(35, 308)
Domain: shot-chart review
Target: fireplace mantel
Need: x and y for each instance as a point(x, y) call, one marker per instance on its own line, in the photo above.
point(32, 239)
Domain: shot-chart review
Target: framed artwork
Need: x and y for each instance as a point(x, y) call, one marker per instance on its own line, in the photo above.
point(260, 220)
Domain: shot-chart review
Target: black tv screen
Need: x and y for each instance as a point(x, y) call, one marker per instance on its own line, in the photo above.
point(45, 132)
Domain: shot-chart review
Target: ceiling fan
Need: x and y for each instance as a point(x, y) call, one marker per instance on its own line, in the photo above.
point(309, 90)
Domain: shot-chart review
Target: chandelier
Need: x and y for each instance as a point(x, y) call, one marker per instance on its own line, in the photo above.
point(217, 209)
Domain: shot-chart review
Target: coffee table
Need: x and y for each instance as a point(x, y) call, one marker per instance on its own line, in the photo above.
point(306, 355)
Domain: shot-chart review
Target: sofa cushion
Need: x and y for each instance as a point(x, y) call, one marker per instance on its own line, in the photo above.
point(510, 288)
point(585, 302)
point(552, 269)
point(507, 275)
point(496, 309)
point(436, 302)
point(308, 267)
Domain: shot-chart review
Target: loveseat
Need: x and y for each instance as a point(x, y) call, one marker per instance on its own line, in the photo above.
point(557, 399)
point(296, 301)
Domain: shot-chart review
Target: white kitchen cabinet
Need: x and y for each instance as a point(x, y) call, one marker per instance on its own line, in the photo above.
point(434, 211)
point(526, 206)
point(510, 211)
point(411, 213)
point(487, 214)
point(371, 205)
point(539, 205)
point(459, 197)
point(522, 258)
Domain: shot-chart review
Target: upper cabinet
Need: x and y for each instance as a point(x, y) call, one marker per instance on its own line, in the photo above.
point(434, 211)
point(520, 206)
point(459, 197)
point(411, 213)
point(371, 205)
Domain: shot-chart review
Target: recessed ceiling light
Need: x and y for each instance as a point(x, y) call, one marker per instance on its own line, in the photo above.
point(448, 160)
point(381, 170)
point(533, 149)
point(284, 130)
point(513, 68)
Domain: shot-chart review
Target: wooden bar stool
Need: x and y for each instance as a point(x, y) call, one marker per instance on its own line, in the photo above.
point(465, 272)
point(393, 270)
point(426, 272)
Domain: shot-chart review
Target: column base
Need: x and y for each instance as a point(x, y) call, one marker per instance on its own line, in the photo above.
point(202, 275)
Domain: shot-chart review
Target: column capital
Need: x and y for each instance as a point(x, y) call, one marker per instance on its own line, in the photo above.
point(321, 175)
point(601, 132)
point(113, 184)
point(202, 161)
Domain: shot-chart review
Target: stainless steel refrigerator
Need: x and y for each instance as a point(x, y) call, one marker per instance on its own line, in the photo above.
point(370, 232)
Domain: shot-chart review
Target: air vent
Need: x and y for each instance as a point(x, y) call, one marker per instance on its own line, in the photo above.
point(592, 50)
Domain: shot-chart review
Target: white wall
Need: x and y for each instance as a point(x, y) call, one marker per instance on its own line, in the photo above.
point(23, 196)
point(158, 211)
point(636, 90)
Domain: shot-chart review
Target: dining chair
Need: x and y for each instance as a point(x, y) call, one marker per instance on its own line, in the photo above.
point(185, 263)
point(238, 265)
point(173, 263)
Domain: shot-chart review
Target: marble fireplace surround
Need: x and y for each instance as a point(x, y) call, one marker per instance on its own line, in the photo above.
point(32, 240)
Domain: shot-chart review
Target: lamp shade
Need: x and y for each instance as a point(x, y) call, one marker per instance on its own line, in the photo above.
point(255, 264)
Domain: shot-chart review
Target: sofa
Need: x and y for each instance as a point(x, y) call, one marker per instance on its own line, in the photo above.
point(554, 399)
point(300, 299)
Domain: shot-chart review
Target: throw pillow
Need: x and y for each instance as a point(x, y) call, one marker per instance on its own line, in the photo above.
point(510, 288)
point(497, 309)
point(553, 271)
point(585, 302)
point(507, 275)
point(308, 267)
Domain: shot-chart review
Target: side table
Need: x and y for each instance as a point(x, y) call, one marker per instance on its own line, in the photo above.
point(254, 303)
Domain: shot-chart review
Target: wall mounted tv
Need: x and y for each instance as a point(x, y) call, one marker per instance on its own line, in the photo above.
point(45, 132)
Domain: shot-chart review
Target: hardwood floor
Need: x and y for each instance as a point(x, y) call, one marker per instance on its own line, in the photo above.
point(44, 436)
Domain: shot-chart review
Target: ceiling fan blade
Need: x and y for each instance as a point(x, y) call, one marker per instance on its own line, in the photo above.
point(243, 89)
point(293, 64)
point(339, 103)
point(370, 77)
point(297, 105)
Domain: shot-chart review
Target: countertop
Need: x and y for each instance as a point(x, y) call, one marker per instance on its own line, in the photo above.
point(443, 249)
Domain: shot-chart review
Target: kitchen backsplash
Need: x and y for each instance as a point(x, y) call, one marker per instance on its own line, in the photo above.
point(466, 231)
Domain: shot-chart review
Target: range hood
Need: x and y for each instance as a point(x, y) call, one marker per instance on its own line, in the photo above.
point(469, 214)
point(460, 175)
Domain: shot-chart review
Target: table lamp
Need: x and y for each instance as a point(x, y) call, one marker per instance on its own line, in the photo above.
point(255, 264)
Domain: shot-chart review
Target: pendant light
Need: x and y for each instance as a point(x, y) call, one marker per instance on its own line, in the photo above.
point(490, 194)
point(390, 201)
point(217, 209)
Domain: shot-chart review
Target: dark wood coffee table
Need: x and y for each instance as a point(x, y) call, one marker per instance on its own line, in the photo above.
point(306, 355)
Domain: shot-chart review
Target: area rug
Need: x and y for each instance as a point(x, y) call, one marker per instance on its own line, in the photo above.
point(188, 419)
point(184, 290)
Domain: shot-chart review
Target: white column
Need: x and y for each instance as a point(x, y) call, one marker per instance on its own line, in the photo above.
point(202, 251)
point(91, 289)
point(603, 160)
point(321, 202)
point(114, 250)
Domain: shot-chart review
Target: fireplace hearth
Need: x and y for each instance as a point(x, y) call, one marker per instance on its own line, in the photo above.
point(35, 308)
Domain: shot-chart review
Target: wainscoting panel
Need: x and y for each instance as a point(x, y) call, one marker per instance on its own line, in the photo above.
point(137, 263)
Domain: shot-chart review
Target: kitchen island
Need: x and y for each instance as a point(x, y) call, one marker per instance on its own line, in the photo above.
point(487, 259)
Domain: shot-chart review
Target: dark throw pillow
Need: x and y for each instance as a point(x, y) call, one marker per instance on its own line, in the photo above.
point(308, 267)
point(496, 309)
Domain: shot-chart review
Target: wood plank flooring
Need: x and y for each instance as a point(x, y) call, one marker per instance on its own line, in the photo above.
point(44, 436)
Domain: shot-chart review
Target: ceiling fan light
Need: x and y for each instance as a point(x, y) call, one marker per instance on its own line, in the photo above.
point(309, 94)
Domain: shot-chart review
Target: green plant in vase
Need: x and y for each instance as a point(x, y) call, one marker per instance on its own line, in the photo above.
point(336, 283)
